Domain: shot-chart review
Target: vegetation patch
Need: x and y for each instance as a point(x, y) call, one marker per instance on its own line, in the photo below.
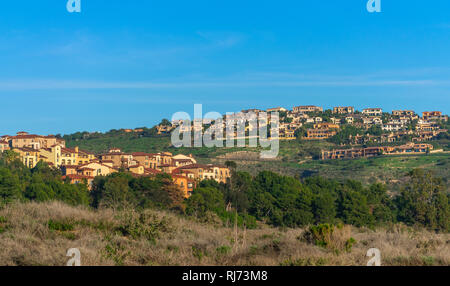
point(60, 225)
point(3, 224)
point(337, 238)
point(143, 225)
point(304, 262)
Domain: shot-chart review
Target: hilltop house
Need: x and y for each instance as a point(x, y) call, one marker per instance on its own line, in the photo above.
point(372, 111)
point(307, 109)
point(344, 110)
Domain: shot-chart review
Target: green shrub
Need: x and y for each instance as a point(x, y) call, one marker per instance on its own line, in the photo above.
point(3, 225)
point(198, 252)
point(223, 250)
point(116, 251)
point(60, 225)
point(336, 238)
point(143, 225)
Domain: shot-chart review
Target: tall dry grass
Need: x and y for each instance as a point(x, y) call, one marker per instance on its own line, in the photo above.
point(105, 237)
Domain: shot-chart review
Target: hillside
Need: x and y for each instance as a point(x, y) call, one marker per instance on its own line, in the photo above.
point(41, 234)
point(295, 158)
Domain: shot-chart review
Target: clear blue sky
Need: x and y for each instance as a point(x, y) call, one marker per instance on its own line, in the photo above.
point(126, 64)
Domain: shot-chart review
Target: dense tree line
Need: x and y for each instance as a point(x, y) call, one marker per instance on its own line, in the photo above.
point(41, 183)
point(268, 197)
point(285, 201)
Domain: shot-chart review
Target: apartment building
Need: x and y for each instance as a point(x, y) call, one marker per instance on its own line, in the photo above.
point(408, 113)
point(307, 109)
point(320, 134)
point(434, 115)
point(86, 173)
point(4, 145)
point(23, 139)
point(326, 125)
point(204, 172)
point(426, 126)
point(164, 129)
point(148, 160)
point(349, 119)
point(253, 110)
point(369, 121)
point(276, 109)
point(75, 156)
point(97, 169)
point(51, 155)
point(80, 179)
point(372, 111)
point(118, 158)
point(185, 184)
point(344, 110)
point(393, 126)
point(29, 156)
point(410, 148)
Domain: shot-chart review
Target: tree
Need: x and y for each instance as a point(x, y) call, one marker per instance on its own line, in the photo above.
point(165, 122)
point(424, 201)
point(9, 186)
point(231, 164)
point(324, 207)
point(204, 200)
point(116, 193)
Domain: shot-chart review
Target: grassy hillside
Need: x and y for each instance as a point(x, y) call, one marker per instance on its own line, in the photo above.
point(41, 234)
point(386, 169)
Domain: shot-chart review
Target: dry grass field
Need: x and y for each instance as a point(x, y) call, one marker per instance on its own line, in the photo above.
point(41, 234)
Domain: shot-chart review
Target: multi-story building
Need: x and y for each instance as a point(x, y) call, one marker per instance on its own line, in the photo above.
point(320, 134)
point(372, 111)
point(433, 115)
point(118, 158)
point(276, 109)
point(393, 126)
point(427, 126)
point(164, 129)
point(307, 109)
point(344, 110)
point(185, 184)
point(204, 172)
point(409, 148)
point(75, 156)
point(51, 155)
point(23, 139)
point(86, 173)
point(94, 169)
point(29, 156)
point(4, 145)
point(326, 125)
point(408, 113)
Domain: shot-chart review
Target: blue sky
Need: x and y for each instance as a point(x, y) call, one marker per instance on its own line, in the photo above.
point(126, 64)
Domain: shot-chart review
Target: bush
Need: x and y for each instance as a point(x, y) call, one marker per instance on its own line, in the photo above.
point(60, 225)
point(223, 250)
point(3, 225)
point(329, 236)
point(143, 225)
